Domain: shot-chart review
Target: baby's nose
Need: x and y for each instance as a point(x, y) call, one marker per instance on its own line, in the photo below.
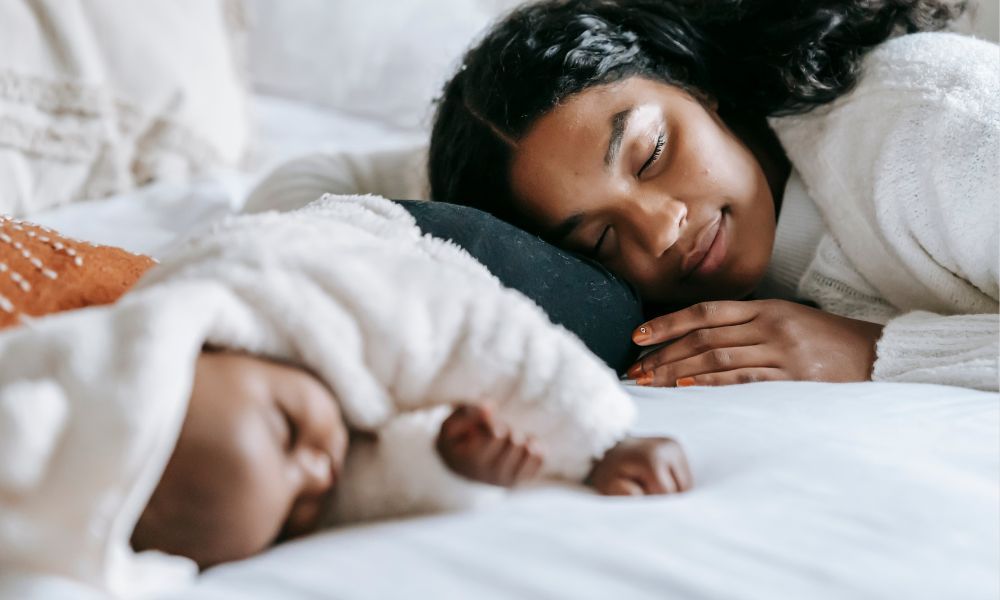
point(317, 467)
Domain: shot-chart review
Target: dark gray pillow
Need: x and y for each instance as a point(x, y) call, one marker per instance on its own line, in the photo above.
point(576, 292)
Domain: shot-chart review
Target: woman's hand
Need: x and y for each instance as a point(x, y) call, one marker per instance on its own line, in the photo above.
point(642, 466)
point(721, 343)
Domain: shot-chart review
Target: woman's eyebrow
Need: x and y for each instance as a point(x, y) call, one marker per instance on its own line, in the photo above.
point(560, 232)
point(618, 124)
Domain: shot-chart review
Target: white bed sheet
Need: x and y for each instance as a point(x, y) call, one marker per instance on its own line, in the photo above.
point(803, 490)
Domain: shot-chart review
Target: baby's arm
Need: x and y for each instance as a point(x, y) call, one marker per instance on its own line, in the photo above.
point(441, 459)
point(473, 444)
point(642, 466)
point(397, 472)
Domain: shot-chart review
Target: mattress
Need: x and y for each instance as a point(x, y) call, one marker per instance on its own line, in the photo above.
point(803, 490)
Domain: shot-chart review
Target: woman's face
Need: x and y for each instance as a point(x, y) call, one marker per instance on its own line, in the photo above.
point(649, 181)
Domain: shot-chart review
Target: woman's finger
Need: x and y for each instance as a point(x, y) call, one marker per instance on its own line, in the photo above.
point(699, 316)
point(697, 342)
point(686, 372)
point(736, 376)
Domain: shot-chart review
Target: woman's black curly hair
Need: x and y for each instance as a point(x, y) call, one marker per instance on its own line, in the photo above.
point(759, 57)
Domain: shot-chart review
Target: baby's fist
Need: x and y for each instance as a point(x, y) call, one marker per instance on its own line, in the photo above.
point(474, 446)
point(642, 466)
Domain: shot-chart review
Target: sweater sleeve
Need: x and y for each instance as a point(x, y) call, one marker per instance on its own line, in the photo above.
point(923, 347)
point(390, 173)
point(904, 171)
point(936, 200)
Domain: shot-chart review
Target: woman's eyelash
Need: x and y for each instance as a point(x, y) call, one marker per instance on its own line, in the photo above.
point(661, 141)
point(600, 240)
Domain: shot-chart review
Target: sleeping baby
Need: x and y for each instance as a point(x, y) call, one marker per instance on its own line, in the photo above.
point(262, 452)
point(358, 369)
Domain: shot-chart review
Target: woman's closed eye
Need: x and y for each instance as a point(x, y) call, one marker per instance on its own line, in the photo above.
point(601, 247)
point(661, 142)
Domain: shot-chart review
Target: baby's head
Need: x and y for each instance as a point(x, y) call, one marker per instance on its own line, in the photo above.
point(257, 458)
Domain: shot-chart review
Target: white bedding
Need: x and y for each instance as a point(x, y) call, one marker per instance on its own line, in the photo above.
point(803, 490)
point(149, 219)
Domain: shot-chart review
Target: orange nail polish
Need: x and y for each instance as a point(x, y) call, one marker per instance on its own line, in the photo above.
point(634, 372)
point(685, 382)
point(641, 334)
point(644, 379)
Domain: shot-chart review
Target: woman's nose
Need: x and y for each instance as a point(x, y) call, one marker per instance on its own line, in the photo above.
point(317, 470)
point(659, 223)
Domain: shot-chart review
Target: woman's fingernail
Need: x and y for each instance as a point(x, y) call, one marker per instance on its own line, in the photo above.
point(634, 371)
point(644, 379)
point(685, 382)
point(641, 334)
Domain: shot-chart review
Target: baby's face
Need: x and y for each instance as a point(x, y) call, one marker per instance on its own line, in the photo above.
point(256, 461)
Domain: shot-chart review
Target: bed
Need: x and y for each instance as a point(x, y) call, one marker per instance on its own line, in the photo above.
point(803, 490)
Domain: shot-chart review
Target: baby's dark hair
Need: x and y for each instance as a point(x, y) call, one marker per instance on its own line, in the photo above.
point(757, 57)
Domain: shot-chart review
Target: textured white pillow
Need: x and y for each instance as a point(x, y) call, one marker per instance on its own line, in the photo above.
point(98, 96)
point(385, 59)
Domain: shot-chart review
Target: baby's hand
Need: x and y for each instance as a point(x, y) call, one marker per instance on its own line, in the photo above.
point(642, 466)
point(477, 448)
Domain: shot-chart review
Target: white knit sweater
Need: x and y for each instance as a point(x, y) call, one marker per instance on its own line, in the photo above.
point(904, 172)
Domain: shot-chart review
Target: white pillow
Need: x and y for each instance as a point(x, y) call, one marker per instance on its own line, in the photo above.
point(98, 96)
point(386, 59)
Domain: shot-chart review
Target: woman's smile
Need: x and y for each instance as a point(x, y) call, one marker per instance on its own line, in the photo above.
point(709, 252)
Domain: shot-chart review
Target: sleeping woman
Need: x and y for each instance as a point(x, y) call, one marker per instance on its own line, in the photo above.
point(706, 150)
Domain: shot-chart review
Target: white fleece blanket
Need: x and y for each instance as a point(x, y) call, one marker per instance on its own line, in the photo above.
point(91, 401)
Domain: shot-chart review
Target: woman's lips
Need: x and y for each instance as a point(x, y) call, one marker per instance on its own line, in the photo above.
point(710, 250)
